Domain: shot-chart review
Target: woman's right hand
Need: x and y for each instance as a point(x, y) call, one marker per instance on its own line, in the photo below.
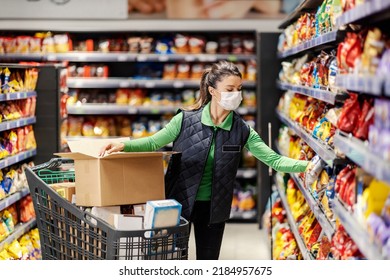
point(111, 148)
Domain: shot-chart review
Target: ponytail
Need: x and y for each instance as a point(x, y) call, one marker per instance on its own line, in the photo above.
point(204, 95)
point(210, 77)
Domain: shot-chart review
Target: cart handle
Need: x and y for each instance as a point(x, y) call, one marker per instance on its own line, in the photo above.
point(54, 162)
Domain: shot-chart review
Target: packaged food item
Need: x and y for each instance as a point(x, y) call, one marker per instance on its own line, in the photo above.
point(188, 97)
point(373, 48)
point(349, 51)
point(211, 47)
point(324, 249)
point(345, 185)
point(248, 45)
point(366, 119)
point(181, 44)
point(251, 71)
point(169, 71)
point(164, 46)
point(196, 44)
point(26, 209)
point(122, 96)
point(146, 44)
point(2, 49)
point(10, 45)
point(196, 71)
point(237, 44)
point(134, 44)
point(30, 137)
point(224, 44)
point(22, 44)
point(61, 43)
point(313, 170)
point(137, 97)
point(183, 71)
point(4, 255)
point(249, 98)
point(349, 115)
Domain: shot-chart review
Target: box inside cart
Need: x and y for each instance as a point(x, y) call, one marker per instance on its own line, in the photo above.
point(115, 179)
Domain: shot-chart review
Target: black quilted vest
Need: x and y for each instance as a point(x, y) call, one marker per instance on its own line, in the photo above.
point(186, 168)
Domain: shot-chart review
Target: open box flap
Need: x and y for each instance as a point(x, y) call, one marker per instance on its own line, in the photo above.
point(74, 155)
point(92, 147)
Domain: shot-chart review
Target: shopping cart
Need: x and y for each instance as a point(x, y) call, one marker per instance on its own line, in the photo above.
point(71, 232)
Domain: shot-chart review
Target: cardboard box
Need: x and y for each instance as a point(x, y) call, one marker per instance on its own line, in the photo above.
point(128, 222)
point(106, 213)
point(66, 190)
point(115, 179)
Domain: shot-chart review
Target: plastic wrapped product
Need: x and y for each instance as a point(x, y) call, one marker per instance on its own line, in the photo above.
point(314, 169)
point(366, 118)
point(349, 116)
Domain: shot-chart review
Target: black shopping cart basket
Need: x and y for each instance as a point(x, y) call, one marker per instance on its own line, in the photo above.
point(69, 232)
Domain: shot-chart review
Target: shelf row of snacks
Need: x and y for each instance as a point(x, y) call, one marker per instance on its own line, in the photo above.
point(313, 30)
point(179, 43)
point(361, 196)
point(17, 123)
point(137, 83)
point(298, 240)
point(138, 101)
point(18, 109)
point(126, 57)
point(155, 71)
point(16, 141)
point(17, 95)
point(13, 184)
point(17, 80)
point(17, 158)
point(23, 244)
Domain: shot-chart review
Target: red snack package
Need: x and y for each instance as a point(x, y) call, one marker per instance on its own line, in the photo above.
point(314, 235)
point(324, 250)
point(348, 51)
point(349, 115)
point(366, 118)
point(26, 209)
point(345, 184)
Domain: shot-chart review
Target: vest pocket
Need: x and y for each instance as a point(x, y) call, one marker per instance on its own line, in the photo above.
point(231, 148)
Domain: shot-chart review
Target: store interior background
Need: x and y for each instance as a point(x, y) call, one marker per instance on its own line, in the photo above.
point(244, 238)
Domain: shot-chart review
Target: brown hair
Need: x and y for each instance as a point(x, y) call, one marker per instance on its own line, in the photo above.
point(210, 77)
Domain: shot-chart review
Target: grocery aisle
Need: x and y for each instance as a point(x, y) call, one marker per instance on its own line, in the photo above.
point(241, 242)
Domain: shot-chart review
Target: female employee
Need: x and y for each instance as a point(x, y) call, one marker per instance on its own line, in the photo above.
point(209, 136)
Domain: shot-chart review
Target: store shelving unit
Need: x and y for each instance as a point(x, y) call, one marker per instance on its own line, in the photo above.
point(368, 10)
point(320, 94)
point(303, 7)
point(324, 151)
point(11, 199)
point(327, 226)
point(359, 153)
point(17, 95)
point(20, 229)
point(357, 232)
point(369, 84)
point(293, 225)
point(137, 83)
point(17, 158)
point(7, 125)
point(127, 57)
point(318, 43)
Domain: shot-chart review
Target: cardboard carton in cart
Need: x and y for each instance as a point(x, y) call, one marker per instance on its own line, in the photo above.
point(115, 179)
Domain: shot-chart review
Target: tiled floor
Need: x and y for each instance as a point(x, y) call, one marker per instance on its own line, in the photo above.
point(240, 242)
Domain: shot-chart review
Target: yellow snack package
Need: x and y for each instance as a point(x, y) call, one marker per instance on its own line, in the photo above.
point(34, 234)
point(374, 197)
point(15, 250)
point(5, 256)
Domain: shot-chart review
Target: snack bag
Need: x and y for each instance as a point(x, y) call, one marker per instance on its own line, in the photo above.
point(183, 71)
point(15, 251)
point(366, 119)
point(314, 169)
point(169, 71)
point(181, 44)
point(349, 115)
point(196, 44)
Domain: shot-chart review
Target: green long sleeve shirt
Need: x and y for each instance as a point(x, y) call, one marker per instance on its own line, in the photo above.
point(254, 144)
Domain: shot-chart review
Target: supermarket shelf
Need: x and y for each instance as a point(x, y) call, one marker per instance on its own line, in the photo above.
point(362, 83)
point(17, 95)
point(17, 158)
point(302, 247)
point(16, 123)
point(140, 83)
point(367, 10)
point(20, 229)
point(11, 199)
point(359, 153)
point(324, 95)
point(303, 7)
point(324, 151)
point(114, 109)
point(326, 225)
point(247, 173)
point(315, 43)
point(357, 232)
point(127, 57)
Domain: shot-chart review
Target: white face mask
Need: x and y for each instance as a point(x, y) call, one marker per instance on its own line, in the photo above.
point(230, 100)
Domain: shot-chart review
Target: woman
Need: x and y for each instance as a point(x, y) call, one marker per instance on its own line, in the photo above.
point(209, 136)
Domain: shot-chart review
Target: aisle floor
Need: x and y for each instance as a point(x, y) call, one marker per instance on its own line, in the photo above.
point(240, 242)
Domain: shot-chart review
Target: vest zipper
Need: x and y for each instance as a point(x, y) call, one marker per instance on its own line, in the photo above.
point(212, 177)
